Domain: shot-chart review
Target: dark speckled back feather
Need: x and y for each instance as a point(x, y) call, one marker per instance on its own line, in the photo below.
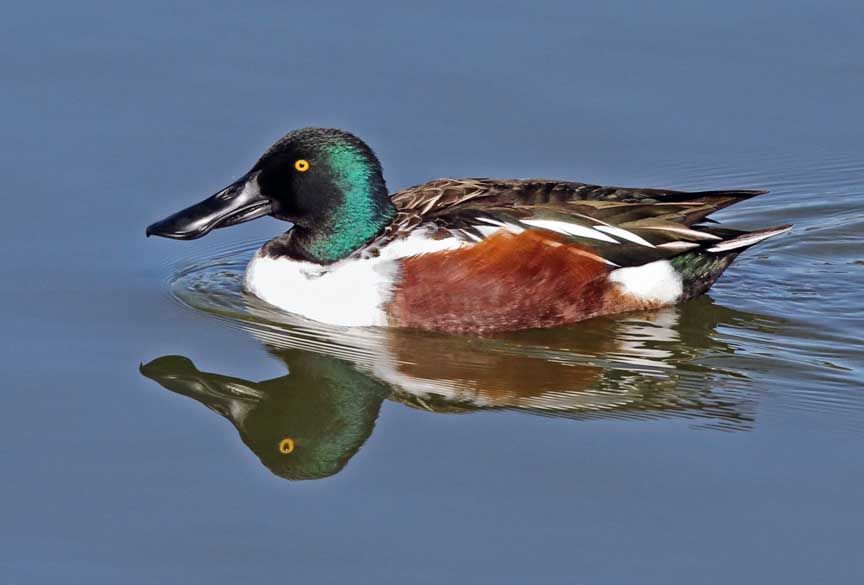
point(436, 197)
point(665, 218)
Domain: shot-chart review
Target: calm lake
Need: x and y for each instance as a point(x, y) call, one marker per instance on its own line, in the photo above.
point(161, 426)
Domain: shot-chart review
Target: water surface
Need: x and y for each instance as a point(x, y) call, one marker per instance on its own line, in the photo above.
point(161, 426)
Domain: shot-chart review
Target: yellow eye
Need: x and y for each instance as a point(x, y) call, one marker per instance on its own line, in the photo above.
point(302, 165)
point(286, 445)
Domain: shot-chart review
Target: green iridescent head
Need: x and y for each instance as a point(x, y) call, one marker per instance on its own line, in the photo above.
point(327, 182)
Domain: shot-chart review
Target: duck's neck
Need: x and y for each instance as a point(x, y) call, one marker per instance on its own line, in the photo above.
point(349, 230)
point(352, 225)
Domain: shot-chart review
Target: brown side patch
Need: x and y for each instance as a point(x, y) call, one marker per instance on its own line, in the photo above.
point(506, 282)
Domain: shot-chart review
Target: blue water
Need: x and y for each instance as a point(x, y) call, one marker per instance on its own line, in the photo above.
point(715, 442)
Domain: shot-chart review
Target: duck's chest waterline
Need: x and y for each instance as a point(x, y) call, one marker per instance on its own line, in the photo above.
point(350, 294)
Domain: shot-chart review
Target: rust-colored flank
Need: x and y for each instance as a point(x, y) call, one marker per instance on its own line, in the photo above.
point(506, 282)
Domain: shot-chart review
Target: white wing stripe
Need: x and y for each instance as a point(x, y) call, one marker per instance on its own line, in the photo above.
point(746, 240)
point(623, 234)
point(510, 227)
point(679, 245)
point(571, 229)
point(684, 231)
point(490, 221)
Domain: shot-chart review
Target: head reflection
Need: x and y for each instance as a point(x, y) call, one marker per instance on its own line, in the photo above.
point(305, 425)
point(311, 422)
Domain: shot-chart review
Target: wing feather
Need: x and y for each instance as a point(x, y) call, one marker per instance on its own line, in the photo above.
point(624, 226)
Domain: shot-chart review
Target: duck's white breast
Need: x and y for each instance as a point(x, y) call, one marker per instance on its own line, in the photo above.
point(350, 295)
point(351, 292)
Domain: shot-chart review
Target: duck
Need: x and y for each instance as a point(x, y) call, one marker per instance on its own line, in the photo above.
point(462, 256)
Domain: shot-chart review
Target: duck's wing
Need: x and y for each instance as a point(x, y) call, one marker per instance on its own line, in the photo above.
point(624, 226)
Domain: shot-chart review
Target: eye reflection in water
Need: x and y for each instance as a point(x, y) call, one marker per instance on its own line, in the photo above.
point(305, 425)
point(309, 423)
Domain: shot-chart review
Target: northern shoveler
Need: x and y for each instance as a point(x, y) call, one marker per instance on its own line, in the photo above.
point(462, 255)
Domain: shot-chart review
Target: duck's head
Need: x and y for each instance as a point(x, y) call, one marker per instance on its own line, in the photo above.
point(327, 182)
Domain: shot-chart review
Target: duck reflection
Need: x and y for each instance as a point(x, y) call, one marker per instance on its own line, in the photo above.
point(309, 423)
point(305, 425)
